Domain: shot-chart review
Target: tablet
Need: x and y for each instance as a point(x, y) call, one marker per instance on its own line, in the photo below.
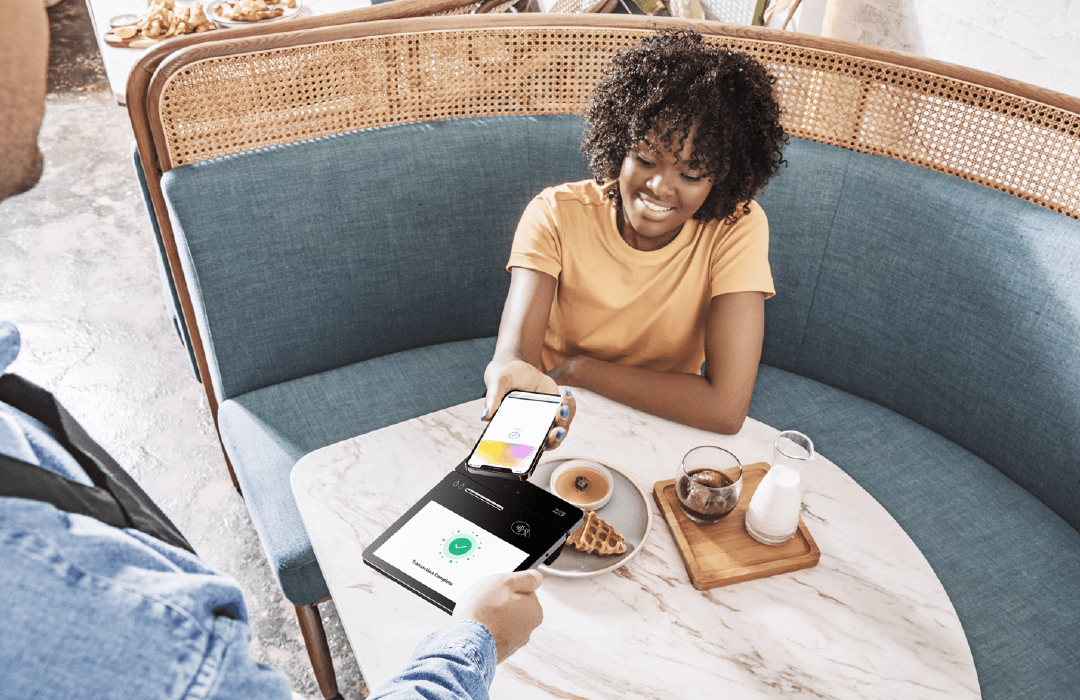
point(471, 526)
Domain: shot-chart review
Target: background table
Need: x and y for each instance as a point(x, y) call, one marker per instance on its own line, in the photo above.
point(871, 620)
point(119, 61)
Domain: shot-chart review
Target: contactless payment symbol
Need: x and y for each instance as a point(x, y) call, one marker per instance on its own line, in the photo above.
point(460, 545)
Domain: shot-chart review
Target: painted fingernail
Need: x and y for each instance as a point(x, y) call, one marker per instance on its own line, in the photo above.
point(560, 433)
point(567, 392)
point(484, 414)
point(564, 411)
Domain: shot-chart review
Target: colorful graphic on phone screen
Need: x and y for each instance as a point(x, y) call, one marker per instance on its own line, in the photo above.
point(505, 454)
point(516, 432)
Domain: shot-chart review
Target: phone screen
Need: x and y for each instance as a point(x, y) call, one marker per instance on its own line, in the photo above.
point(516, 432)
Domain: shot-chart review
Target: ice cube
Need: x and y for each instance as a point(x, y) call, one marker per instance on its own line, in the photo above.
point(697, 498)
point(708, 477)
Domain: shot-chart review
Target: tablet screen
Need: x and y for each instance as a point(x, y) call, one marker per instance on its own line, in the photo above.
point(446, 552)
point(468, 527)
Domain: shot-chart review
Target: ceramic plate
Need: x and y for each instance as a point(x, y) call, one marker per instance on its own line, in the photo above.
point(627, 511)
point(211, 8)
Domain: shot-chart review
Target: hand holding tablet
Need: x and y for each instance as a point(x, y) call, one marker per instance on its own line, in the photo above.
point(507, 605)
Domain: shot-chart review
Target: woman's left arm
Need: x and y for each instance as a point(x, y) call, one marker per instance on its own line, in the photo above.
point(719, 402)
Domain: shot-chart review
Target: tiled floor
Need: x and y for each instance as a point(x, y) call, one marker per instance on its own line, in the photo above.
point(78, 276)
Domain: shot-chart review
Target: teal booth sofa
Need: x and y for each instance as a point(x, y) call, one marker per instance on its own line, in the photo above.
point(925, 331)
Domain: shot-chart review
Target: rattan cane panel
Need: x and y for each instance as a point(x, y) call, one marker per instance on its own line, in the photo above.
point(225, 105)
point(996, 139)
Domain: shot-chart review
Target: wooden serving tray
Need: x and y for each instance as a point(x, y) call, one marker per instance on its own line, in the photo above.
point(136, 42)
point(723, 553)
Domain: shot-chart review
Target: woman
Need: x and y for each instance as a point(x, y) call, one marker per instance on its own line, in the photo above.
point(628, 283)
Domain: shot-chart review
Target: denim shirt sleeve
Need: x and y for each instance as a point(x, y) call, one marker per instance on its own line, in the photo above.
point(9, 344)
point(25, 438)
point(91, 611)
point(452, 664)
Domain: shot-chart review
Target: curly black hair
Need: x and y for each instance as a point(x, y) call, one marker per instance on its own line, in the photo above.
point(671, 82)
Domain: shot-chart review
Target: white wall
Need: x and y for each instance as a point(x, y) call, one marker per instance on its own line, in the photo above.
point(807, 18)
point(1036, 41)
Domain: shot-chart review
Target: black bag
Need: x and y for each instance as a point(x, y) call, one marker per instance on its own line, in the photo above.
point(115, 498)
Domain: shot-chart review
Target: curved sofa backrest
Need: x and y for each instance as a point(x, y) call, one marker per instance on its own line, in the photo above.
point(310, 256)
point(950, 303)
point(891, 123)
point(241, 94)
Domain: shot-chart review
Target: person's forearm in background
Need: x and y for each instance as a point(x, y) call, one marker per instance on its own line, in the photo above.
point(517, 349)
point(718, 402)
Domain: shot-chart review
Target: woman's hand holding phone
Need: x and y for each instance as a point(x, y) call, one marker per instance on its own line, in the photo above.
point(522, 376)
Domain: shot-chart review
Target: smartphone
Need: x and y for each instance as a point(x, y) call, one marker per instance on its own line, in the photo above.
point(514, 439)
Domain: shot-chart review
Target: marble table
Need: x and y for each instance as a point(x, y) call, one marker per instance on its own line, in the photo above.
point(871, 620)
point(119, 61)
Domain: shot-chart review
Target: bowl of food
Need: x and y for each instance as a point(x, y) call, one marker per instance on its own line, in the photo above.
point(124, 20)
point(583, 482)
point(161, 21)
point(229, 14)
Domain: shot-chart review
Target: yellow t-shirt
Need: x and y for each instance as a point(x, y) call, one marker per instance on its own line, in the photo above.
point(613, 302)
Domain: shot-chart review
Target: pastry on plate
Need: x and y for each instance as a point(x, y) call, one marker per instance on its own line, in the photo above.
point(597, 537)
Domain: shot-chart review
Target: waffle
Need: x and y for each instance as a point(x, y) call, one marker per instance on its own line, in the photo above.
point(597, 537)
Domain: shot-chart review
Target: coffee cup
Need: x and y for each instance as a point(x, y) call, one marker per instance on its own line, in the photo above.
point(583, 482)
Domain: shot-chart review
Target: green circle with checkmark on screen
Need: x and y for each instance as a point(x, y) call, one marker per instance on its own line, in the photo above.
point(460, 546)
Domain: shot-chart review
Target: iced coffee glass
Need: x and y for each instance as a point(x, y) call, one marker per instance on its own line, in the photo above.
point(708, 483)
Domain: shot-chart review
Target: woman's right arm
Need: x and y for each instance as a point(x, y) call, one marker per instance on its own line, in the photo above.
point(517, 350)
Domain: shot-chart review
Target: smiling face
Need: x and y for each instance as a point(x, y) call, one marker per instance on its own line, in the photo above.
point(659, 191)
